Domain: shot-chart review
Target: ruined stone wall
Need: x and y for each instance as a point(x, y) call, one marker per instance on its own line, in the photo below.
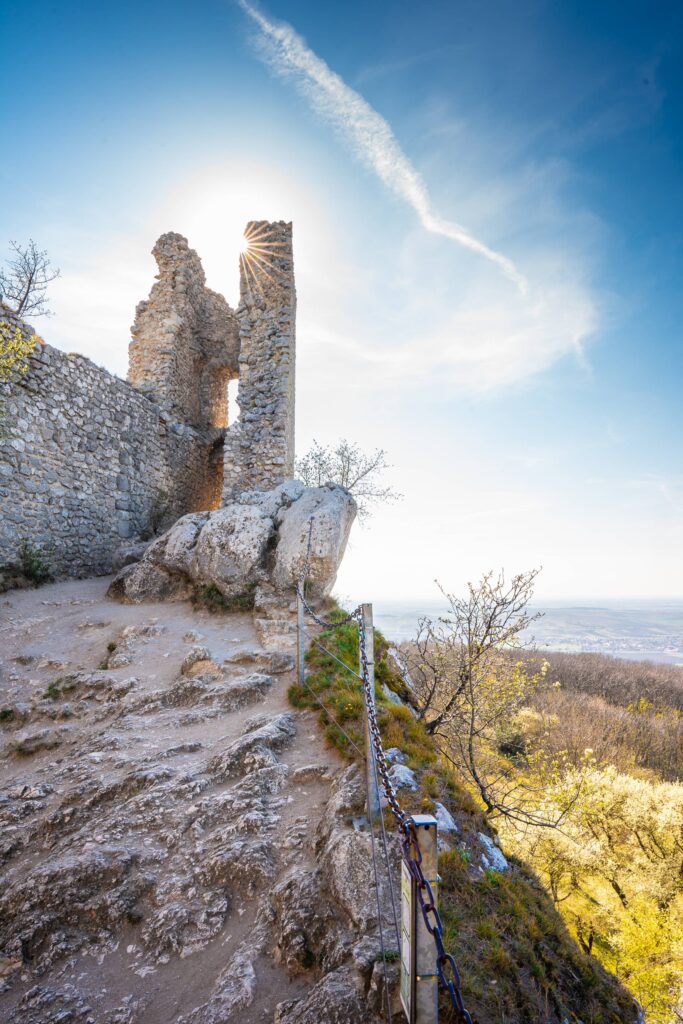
point(259, 446)
point(86, 462)
point(185, 339)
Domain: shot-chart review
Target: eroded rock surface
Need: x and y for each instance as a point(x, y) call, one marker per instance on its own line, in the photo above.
point(176, 841)
point(253, 549)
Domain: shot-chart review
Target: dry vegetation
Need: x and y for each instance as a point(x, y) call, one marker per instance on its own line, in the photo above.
point(577, 758)
point(630, 714)
point(622, 683)
point(518, 960)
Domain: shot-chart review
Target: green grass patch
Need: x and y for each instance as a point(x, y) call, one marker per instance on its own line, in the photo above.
point(211, 599)
point(342, 693)
point(391, 955)
point(517, 960)
point(58, 687)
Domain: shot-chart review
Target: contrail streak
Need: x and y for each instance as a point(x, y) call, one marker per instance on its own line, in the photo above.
point(370, 135)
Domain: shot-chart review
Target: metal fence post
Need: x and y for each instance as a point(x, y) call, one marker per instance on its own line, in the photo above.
point(300, 640)
point(373, 808)
point(419, 981)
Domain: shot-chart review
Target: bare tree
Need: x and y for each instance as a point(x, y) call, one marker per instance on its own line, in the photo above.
point(24, 281)
point(469, 689)
point(465, 645)
point(346, 464)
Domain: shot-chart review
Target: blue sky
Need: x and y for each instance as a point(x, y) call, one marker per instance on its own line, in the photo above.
point(542, 429)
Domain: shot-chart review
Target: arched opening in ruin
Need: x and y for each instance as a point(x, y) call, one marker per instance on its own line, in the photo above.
point(220, 385)
point(216, 407)
point(209, 492)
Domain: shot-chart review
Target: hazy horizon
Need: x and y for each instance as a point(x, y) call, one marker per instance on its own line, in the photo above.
point(562, 602)
point(634, 630)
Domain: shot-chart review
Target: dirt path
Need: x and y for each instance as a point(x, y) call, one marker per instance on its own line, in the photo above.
point(149, 803)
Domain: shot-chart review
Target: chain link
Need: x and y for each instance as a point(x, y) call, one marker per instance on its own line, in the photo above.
point(432, 920)
point(411, 847)
point(325, 623)
point(375, 735)
point(445, 964)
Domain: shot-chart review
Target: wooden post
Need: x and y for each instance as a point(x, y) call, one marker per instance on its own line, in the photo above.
point(419, 981)
point(373, 808)
point(300, 640)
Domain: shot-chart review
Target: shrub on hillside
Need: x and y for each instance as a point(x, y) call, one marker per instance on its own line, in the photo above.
point(616, 680)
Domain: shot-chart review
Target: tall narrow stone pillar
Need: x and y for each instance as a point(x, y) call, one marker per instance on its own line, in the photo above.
point(259, 446)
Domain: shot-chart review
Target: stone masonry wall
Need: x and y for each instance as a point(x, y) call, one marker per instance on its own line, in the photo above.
point(86, 462)
point(259, 446)
point(185, 339)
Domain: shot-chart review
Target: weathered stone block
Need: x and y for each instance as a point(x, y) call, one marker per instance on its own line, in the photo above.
point(255, 545)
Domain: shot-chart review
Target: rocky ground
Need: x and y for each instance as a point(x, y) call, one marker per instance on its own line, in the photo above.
point(176, 842)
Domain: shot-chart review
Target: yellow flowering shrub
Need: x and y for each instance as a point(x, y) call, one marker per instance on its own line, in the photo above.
point(15, 349)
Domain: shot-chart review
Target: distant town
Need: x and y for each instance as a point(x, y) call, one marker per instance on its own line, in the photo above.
point(638, 631)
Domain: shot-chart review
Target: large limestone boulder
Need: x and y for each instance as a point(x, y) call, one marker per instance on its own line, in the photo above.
point(127, 554)
point(255, 544)
point(328, 513)
point(231, 549)
point(174, 550)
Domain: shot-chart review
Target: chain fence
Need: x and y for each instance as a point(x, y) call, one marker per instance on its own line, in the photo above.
point(446, 967)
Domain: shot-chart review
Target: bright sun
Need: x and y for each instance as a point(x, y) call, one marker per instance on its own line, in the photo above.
point(212, 209)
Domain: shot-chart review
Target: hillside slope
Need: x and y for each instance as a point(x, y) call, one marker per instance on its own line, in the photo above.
point(517, 960)
point(181, 842)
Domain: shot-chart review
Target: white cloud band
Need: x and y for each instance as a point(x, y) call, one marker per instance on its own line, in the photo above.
point(370, 136)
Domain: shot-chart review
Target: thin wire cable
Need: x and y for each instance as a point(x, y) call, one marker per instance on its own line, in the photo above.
point(332, 718)
point(387, 861)
point(379, 906)
point(301, 586)
point(385, 844)
point(405, 825)
point(338, 660)
point(372, 836)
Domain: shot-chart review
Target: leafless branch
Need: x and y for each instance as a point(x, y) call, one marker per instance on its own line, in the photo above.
point(346, 464)
point(25, 279)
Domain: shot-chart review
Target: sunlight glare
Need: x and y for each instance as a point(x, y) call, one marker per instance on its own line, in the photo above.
point(212, 210)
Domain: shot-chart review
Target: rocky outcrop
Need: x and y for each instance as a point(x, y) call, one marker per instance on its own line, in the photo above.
point(327, 921)
point(199, 856)
point(332, 512)
point(253, 550)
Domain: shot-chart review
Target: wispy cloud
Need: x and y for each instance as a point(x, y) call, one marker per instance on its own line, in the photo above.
point(368, 133)
point(385, 68)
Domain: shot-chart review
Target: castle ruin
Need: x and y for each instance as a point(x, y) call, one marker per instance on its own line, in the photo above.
point(88, 461)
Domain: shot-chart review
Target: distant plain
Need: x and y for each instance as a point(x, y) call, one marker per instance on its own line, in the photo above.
point(637, 630)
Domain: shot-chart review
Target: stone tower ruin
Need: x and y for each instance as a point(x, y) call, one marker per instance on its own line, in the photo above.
point(185, 345)
point(88, 460)
point(259, 446)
